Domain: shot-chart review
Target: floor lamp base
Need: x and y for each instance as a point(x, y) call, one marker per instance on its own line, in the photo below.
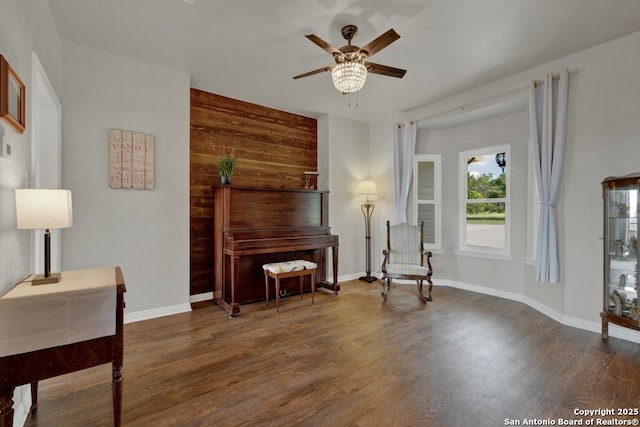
point(41, 280)
point(368, 278)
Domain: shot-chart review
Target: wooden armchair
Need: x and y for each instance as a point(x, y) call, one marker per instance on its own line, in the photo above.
point(404, 258)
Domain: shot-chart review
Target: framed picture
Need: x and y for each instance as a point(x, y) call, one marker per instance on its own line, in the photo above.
point(12, 97)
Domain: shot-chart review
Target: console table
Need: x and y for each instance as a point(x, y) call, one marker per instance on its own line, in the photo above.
point(54, 329)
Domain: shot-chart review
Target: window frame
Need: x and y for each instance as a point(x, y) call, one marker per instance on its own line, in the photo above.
point(481, 251)
point(436, 159)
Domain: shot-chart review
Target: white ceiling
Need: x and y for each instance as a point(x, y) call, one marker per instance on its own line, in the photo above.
point(250, 49)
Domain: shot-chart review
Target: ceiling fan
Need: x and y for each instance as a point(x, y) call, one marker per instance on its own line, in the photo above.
point(350, 72)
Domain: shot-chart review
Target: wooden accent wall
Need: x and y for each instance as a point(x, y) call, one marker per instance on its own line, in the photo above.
point(274, 148)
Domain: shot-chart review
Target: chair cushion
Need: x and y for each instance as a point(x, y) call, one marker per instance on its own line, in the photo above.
point(410, 269)
point(287, 266)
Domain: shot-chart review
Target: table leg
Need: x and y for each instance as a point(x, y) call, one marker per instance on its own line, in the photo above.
point(34, 397)
point(117, 362)
point(334, 251)
point(6, 407)
point(116, 388)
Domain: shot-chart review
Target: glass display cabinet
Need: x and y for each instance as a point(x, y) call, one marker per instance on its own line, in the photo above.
point(620, 252)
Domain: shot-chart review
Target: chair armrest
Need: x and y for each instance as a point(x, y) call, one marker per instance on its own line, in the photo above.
point(429, 255)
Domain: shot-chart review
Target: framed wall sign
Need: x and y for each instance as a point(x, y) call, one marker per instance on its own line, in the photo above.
point(12, 97)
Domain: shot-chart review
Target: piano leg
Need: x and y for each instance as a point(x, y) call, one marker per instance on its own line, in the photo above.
point(234, 308)
point(335, 286)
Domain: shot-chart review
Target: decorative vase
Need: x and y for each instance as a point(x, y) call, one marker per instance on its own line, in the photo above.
point(225, 180)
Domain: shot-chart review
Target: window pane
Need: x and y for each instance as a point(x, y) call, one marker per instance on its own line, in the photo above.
point(486, 178)
point(426, 183)
point(427, 213)
point(486, 225)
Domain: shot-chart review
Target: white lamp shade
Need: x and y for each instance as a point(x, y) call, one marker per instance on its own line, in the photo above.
point(39, 209)
point(367, 190)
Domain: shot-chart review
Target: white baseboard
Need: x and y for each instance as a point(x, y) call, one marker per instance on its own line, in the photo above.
point(346, 277)
point(596, 327)
point(480, 289)
point(156, 312)
point(22, 404)
point(206, 296)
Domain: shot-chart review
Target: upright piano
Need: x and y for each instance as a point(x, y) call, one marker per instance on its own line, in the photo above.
point(255, 226)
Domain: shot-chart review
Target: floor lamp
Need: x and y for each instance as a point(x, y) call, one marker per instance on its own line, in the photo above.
point(43, 209)
point(367, 191)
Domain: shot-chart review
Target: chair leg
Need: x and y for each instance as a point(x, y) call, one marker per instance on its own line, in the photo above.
point(266, 287)
point(277, 295)
point(301, 287)
point(420, 295)
point(386, 288)
point(313, 288)
point(430, 287)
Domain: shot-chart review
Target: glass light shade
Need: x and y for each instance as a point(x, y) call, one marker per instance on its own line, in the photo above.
point(40, 209)
point(367, 190)
point(349, 76)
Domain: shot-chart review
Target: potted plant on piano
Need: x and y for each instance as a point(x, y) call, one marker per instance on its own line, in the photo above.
point(226, 164)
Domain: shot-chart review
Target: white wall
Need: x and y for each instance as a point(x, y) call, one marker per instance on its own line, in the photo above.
point(26, 26)
point(602, 140)
point(381, 171)
point(144, 232)
point(343, 153)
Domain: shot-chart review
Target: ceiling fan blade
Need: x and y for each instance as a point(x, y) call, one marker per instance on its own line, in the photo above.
point(311, 73)
point(385, 70)
point(323, 44)
point(380, 42)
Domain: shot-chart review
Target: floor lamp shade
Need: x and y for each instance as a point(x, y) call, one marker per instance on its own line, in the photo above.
point(44, 209)
point(367, 191)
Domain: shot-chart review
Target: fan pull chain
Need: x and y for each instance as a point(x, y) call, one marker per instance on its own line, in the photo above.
point(357, 100)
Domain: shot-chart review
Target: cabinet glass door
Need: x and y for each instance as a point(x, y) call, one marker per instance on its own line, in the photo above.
point(621, 246)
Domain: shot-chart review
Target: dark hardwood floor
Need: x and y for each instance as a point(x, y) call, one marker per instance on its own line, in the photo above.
point(464, 359)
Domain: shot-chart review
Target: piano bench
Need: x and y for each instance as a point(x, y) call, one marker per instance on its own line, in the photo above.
point(282, 270)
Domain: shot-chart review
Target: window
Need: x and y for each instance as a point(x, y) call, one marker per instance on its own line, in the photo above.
point(427, 193)
point(484, 201)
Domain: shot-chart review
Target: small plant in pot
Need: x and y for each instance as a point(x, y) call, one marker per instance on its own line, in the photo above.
point(226, 164)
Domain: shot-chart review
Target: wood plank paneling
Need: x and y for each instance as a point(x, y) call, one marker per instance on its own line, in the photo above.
point(274, 148)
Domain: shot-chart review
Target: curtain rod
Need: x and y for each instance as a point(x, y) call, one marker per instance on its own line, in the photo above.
point(556, 75)
point(399, 125)
point(490, 100)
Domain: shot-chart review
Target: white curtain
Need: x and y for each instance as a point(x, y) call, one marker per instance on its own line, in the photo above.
point(548, 116)
point(403, 150)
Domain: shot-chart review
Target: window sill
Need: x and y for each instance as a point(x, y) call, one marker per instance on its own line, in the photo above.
point(500, 257)
point(529, 261)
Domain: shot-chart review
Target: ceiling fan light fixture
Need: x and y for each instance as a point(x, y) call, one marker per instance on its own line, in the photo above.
point(349, 76)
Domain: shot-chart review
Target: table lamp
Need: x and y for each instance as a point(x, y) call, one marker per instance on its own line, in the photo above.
point(43, 209)
point(368, 193)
